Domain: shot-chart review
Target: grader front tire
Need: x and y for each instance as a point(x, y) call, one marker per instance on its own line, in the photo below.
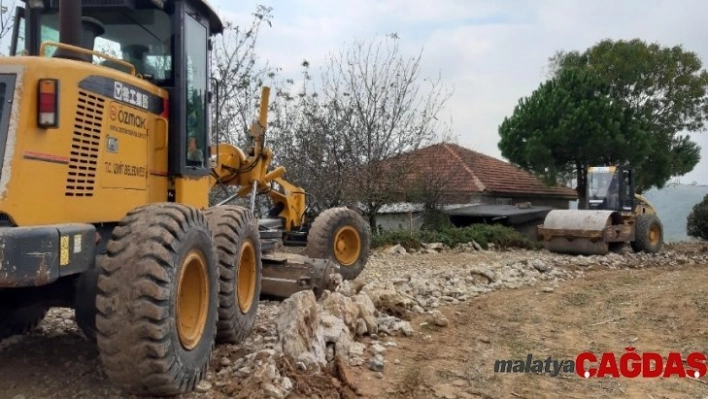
point(239, 250)
point(157, 300)
point(342, 235)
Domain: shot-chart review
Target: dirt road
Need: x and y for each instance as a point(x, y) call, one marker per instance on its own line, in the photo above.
point(658, 308)
point(661, 309)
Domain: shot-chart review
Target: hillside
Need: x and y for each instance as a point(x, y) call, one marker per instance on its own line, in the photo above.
point(674, 204)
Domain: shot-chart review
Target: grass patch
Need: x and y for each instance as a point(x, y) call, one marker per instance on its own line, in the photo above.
point(628, 279)
point(576, 299)
point(502, 237)
point(701, 304)
point(617, 301)
point(412, 379)
point(518, 349)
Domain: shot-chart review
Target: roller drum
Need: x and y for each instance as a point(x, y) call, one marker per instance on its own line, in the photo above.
point(585, 220)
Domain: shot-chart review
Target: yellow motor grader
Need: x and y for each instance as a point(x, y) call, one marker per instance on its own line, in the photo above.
point(106, 167)
point(616, 216)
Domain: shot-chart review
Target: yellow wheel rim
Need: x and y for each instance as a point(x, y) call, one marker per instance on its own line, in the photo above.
point(347, 246)
point(246, 277)
point(192, 299)
point(654, 234)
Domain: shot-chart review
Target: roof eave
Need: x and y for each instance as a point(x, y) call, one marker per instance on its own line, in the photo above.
point(514, 194)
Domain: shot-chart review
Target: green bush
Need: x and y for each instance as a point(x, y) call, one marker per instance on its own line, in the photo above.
point(697, 221)
point(407, 240)
point(501, 236)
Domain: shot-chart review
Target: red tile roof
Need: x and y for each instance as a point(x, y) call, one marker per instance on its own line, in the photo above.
point(473, 172)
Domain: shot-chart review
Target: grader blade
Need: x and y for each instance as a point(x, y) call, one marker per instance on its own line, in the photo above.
point(284, 274)
point(583, 232)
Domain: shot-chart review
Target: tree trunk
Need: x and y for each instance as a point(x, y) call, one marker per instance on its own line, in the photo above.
point(581, 175)
point(372, 221)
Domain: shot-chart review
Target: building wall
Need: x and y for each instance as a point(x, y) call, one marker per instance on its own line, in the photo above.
point(414, 220)
point(501, 200)
point(400, 221)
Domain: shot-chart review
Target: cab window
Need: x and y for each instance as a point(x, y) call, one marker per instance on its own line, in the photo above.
point(142, 37)
point(196, 91)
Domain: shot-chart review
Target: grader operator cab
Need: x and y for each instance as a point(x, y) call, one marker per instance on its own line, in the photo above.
point(616, 215)
point(106, 172)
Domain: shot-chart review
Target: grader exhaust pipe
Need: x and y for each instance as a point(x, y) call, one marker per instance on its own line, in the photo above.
point(76, 30)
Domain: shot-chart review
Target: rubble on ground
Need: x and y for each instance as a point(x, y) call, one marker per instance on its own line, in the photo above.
point(356, 323)
point(299, 345)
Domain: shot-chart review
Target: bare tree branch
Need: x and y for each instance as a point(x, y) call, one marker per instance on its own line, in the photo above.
point(7, 20)
point(370, 105)
point(235, 66)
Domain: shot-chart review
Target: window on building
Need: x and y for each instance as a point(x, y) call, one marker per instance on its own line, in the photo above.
point(504, 201)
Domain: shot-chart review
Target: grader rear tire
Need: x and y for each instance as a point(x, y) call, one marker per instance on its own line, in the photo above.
point(157, 300)
point(239, 250)
point(342, 235)
point(649, 234)
point(20, 321)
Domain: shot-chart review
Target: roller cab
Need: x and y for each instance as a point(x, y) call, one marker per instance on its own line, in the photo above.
point(611, 188)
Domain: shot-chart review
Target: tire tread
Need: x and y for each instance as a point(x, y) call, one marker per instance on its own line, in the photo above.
point(134, 327)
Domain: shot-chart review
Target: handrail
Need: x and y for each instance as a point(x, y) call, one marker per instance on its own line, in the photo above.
point(45, 44)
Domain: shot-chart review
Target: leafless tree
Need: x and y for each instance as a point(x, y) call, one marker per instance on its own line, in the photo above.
point(334, 134)
point(376, 107)
point(307, 140)
point(240, 75)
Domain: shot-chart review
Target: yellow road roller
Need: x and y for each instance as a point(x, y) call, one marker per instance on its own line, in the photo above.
point(616, 215)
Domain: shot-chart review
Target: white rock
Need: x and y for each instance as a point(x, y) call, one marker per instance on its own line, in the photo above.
point(203, 386)
point(298, 329)
point(361, 328)
point(356, 349)
point(396, 250)
point(342, 307)
point(287, 384)
point(439, 319)
point(272, 391)
point(378, 349)
point(367, 311)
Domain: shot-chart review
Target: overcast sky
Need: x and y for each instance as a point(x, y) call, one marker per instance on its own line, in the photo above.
point(491, 52)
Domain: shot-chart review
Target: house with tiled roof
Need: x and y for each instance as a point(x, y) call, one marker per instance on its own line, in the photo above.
point(474, 187)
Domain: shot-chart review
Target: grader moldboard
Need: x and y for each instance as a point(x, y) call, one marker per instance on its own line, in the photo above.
point(616, 216)
point(120, 228)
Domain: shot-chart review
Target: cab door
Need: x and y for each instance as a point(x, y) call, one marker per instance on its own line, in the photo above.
point(627, 190)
